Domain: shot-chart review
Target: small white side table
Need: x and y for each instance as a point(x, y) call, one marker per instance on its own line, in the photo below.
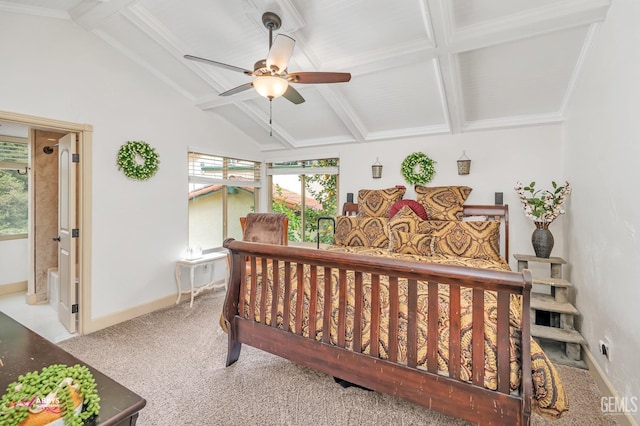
point(192, 264)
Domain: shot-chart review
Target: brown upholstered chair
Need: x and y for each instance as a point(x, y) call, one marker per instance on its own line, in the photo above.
point(267, 228)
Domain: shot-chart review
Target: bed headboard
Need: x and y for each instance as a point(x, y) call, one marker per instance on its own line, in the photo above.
point(498, 213)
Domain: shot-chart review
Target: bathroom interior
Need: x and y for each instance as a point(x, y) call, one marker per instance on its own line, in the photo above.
point(33, 299)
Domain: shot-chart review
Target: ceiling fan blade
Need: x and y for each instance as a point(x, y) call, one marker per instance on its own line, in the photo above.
point(293, 95)
point(238, 89)
point(319, 77)
point(218, 64)
point(280, 52)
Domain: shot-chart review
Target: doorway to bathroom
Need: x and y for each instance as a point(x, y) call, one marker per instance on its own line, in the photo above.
point(58, 271)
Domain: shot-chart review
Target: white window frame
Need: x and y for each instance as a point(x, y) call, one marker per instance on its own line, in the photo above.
point(226, 181)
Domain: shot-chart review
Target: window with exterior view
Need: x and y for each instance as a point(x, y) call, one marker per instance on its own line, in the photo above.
point(306, 191)
point(14, 186)
point(221, 190)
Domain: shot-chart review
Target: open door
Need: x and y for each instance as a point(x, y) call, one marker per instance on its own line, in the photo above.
point(67, 232)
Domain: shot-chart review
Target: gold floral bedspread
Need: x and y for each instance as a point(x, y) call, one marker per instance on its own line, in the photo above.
point(549, 395)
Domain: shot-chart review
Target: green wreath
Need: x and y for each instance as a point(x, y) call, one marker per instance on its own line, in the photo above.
point(418, 169)
point(138, 160)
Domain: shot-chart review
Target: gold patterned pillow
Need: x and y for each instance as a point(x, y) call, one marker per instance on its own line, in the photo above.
point(478, 240)
point(378, 202)
point(430, 226)
point(361, 231)
point(405, 220)
point(409, 243)
point(442, 202)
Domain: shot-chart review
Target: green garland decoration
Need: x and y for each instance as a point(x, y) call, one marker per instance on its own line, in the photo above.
point(138, 160)
point(32, 391)
point(418, 169)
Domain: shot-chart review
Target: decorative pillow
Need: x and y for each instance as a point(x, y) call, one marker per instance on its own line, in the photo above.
point(474, 218)
point(478, 240)
point(443, 202)
point(361, 231)
point(431, 226)
point(409, 243)
point(412, 204)
point(405, 220)
point(378, 202)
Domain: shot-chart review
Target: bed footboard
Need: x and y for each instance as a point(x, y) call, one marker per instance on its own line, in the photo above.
point(301, 330)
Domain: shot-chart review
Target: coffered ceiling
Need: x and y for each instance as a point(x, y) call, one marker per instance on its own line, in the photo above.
point(419, 67)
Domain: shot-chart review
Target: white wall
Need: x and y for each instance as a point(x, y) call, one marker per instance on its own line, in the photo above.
point(14, 261)
point(498, 160)
point(53, 68)
point(602, 153)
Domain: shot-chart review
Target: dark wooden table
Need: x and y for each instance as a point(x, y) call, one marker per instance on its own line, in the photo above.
point(22, 350)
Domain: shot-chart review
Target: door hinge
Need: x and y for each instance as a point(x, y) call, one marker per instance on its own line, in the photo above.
point(74, 309)
point(75, 158)
point(75, 233)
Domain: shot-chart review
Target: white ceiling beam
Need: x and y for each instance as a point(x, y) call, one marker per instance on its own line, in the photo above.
point(91, 15)
point(344, 112)
point(144, 64)
point(580, 64)
point(530, 23)
point(518, 121)
point(152, 28)
point(446, 69)
point(408, 132)
point(33, 10)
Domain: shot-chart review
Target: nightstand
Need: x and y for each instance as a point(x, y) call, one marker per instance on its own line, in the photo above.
point(192, 264)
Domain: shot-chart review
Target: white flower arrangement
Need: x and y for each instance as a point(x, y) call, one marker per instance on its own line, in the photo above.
point(543, 206)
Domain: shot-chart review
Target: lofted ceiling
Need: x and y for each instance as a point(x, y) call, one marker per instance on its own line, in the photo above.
point(419, 67)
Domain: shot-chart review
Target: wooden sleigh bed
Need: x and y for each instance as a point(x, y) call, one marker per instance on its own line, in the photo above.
point(473, 370)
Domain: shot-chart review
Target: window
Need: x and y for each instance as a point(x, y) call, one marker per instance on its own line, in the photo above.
point(221, 190)
point(306, 191)
point(14, 187)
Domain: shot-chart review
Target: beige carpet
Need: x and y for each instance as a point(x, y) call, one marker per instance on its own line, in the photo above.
point(175, 359)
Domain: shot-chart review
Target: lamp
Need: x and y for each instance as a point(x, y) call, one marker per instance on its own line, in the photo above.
point(270, 86)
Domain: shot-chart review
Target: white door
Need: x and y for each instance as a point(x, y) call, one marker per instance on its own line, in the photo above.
point(66, 225)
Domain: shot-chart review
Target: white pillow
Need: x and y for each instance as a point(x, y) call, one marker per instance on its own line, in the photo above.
point(474, 218)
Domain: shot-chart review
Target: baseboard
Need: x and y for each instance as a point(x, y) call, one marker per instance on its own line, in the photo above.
point(605, 386)
point(13, 288)
point(128, 314)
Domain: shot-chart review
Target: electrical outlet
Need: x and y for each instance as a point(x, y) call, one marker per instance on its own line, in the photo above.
point(605, 348)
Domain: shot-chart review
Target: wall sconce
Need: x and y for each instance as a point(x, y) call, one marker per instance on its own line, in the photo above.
point(376, 169)
point(464, 164)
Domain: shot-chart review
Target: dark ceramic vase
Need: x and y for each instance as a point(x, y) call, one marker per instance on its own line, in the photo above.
point(542, 240)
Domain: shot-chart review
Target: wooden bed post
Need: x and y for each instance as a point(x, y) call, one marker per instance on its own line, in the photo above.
point(230, 307)
point(527, 381)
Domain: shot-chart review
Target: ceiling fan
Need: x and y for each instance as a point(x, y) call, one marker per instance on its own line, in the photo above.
point(271, 78)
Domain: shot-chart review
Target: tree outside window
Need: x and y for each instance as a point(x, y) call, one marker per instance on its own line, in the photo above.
point(14, 187)
point(306, 191)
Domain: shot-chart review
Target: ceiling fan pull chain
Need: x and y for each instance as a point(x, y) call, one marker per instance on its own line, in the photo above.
point(270, 115)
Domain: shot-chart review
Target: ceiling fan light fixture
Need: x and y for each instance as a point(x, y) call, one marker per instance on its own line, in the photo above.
point(270, 86)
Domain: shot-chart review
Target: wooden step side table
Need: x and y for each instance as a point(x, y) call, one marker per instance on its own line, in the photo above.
point(558, 305)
